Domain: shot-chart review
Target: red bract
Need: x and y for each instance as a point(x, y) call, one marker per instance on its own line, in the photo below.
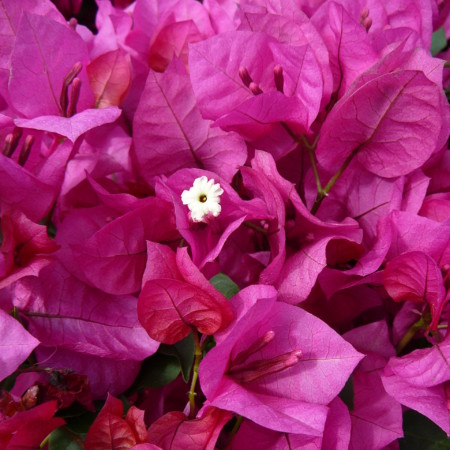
point(414, 276)
point(25, 247)
point(169, 308)
point(27, 429)
point(164, 29)
point(111, 431)
point(109, 76)
point(175, 430)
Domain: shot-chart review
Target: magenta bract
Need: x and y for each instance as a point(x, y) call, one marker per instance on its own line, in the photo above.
point(167, 121)
point(265, 354)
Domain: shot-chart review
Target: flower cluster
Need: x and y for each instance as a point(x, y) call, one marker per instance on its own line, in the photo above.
point(233, 216)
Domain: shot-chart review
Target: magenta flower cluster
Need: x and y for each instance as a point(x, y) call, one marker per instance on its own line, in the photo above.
point(228, 222)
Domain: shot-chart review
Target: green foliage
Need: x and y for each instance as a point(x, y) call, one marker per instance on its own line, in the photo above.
point(184, 352)
point(156, 371)
point(438, 42)
point(64, 439)
point(422, 434)
point(225, 285)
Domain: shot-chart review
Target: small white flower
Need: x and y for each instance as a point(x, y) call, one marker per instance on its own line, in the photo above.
point(203, 199)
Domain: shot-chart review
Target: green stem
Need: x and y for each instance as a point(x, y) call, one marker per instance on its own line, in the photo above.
point(45, 442)
point(235, 429)
point(198, 358)
point(310, 148)
point(312, 159)
point(324, 192)
point(406, 339)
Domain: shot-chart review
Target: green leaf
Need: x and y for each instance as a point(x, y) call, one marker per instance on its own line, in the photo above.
point(225, 285)
point(422, 434)
point(438, 42)
point(184, 352)
point(61, 439)
point(156, 371)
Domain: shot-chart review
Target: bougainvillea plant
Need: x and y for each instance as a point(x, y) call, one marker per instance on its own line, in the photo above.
point(224, 224)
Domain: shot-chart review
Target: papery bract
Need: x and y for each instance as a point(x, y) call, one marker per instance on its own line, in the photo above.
point(249, 433)
point(109, 76)
point(110, 430)
point(361, 195)
point(113, 259)
point(337, 427)
point(10, 16)
point(415, 276)
point(163, 30)
point(16, 344)
point(418, 381)
point(289, 25)
point(66, 312)
point(175, 430)
point(375, 128)
point(72, 127)
point(44, 53)
point(33, 188)
point(436, 207)
point(272, 232)
point(170, 133)
point(244, 372)
point(106, 375)
point(253, 105)
point(347, 42)
point(376, 417)
point(24, 248)
point(75, 318)
point(27, 429)
point(416, 233)
point(169, 308)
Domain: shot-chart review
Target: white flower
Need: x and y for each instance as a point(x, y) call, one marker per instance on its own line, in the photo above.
point(203, 199)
